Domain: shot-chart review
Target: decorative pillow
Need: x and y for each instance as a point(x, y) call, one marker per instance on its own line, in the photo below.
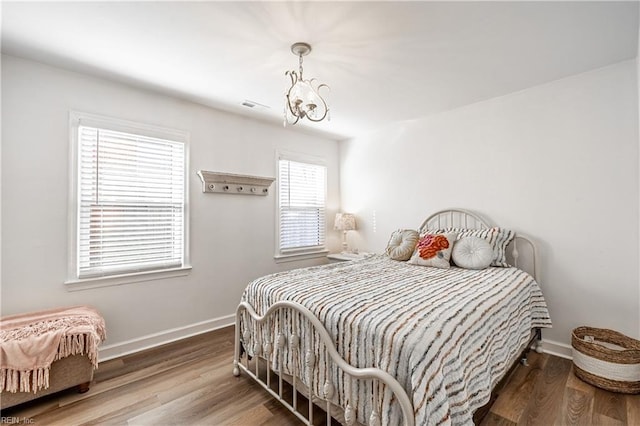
point(434, 250)
point(402, 244)
point(472, 253)
point(499, 239)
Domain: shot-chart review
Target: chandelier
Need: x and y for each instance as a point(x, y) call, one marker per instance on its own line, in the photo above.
point(302, 98)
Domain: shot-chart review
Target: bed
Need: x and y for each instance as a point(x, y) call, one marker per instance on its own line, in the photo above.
point(380, 341)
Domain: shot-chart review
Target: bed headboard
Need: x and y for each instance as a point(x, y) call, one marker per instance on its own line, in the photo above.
point(521, 252)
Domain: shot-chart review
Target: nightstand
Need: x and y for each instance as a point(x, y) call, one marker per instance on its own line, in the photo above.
point(345, 257)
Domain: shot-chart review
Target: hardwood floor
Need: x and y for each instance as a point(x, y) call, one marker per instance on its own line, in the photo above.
point(190, 382)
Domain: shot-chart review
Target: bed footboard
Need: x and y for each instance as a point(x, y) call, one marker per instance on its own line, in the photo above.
point(278, 338)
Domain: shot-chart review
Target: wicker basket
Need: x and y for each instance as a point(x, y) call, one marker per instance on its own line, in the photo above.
point(606, 359)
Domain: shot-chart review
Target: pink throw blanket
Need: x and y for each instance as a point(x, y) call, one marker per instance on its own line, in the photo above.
point(29, 343)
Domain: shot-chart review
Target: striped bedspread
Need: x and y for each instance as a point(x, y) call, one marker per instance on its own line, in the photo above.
point(447, 335)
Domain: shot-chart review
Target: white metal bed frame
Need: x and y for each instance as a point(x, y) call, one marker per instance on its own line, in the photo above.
point(450, 218)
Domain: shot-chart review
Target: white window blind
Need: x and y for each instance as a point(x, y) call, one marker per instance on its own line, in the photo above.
point(131, 203)
point(302, 193)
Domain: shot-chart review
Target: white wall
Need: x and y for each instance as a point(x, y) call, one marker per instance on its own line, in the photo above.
point(558, 162)
point(232, 237)
point(638, 91)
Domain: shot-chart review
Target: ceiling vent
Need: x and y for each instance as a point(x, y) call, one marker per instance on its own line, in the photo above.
point(252, 104)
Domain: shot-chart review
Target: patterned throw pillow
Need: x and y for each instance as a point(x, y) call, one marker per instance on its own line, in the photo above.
point(499, 239)
point(434, 250)
point(402, 244)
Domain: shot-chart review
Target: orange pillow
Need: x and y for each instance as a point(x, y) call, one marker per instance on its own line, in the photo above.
point(434, 250)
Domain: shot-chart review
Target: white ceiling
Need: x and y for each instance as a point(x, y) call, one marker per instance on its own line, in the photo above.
point(384, 61)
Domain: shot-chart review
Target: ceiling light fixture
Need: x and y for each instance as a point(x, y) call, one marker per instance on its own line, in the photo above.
point(302, 98)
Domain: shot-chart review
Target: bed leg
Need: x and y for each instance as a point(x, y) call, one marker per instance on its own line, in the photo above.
point(236, 353)
point(84, 387)
point(535, 343)
point(538, 343)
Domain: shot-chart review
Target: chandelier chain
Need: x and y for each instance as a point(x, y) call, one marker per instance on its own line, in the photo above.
point(300, 66)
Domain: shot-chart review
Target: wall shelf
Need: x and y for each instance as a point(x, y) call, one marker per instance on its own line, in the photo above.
point(229, 183)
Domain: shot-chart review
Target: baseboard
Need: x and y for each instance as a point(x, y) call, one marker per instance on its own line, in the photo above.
point(167, 336)
point(558, 349)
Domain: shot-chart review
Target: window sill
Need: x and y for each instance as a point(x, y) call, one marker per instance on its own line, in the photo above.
point(113, 280)
point(292, 257)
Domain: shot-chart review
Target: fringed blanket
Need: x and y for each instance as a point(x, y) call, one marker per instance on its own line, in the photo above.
point(30, 343)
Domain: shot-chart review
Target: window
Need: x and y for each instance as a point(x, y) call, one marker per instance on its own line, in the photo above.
point(129, 198)
point(301, 206)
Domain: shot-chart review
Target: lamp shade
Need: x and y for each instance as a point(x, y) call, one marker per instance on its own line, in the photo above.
point(345, 222)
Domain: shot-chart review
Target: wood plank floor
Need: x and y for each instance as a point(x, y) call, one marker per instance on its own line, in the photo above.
point(190, 382)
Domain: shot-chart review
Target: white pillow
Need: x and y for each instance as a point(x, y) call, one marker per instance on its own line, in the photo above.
point(472, 253)
point(402, 243)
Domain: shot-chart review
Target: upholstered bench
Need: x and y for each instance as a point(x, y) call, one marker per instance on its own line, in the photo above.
point(48, 351)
